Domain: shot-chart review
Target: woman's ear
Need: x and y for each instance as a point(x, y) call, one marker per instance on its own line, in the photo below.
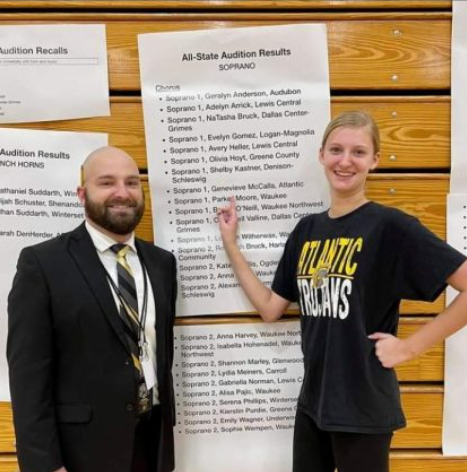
point(375, 161)
point(321, 155)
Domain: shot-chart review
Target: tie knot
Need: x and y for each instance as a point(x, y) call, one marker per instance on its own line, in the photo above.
point(120, 249)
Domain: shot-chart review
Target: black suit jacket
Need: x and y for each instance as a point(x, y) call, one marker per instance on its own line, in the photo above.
point(71, 376)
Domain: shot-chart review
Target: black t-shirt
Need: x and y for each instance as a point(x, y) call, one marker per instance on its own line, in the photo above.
point(348, 275)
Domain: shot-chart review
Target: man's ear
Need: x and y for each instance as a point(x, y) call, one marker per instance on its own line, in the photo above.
point(81, 191)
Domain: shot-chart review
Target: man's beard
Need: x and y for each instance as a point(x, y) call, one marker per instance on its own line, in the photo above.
point(114, 222)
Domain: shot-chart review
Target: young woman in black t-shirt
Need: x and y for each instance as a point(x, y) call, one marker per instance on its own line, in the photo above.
point(348, 268)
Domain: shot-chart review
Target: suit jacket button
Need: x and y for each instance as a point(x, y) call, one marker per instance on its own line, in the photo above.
point(129, 407)
point(127, 361)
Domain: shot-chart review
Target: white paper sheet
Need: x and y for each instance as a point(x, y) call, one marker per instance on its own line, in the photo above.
point(455, 378)
point(39, 173)
point(53, 72)
point(459, 98)
point(233, 112)
point(236, 392)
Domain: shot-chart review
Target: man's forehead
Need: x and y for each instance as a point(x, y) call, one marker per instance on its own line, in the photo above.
point(110, 162)
point(113, 175)
point(112, 170)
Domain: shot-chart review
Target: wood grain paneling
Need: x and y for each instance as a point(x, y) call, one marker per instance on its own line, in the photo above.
point(362, 54)
point(426, 462)
point(124, 125)
point(7, 435)
point(8, 463)
point(303, 5)
point(426, 368)
point(409, 307)
point(374, 46)
point(415, 131)
point(386, 54)
point(421, 195)
point(365, 53)
point(413, 461)
point(422, 406)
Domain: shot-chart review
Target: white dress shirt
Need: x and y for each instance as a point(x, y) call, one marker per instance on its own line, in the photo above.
point(103, 243)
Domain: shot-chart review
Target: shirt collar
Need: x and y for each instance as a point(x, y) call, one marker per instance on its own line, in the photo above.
point(102, 242)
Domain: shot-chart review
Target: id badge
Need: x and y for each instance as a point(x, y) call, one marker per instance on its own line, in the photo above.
point(148, 367)
point(148, 371)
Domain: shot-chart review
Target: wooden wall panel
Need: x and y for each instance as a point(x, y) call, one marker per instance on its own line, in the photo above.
point(375, 52)
point(415, 131)
point(8, 463)
point(225, 4)
point(422, 406)
point(124, 126)
point(375, 47)
point(389, 55)
point(362, 54)
point(431, 461)
point(423, 196)
point(7, 437)
point(426, 462)
point(426, 368)
point(424, 411)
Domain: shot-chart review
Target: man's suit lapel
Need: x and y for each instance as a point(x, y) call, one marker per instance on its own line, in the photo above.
point(84, 253)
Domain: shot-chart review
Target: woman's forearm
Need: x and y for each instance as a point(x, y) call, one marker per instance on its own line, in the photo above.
point(269, 305)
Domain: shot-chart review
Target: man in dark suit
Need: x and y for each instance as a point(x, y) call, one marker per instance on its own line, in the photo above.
point(90, 341)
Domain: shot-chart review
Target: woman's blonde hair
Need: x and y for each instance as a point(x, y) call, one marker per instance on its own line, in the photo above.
point(354, 119)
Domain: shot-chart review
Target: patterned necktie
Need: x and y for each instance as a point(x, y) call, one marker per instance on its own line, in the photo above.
point(129, 315)
point(128, 301)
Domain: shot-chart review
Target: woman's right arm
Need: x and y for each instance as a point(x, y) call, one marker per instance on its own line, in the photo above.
point(269, 305)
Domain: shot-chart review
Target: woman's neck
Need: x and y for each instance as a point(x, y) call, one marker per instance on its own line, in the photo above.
point(341, 206)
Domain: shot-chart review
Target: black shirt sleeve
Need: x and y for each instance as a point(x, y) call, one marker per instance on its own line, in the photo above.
point(424, 263)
